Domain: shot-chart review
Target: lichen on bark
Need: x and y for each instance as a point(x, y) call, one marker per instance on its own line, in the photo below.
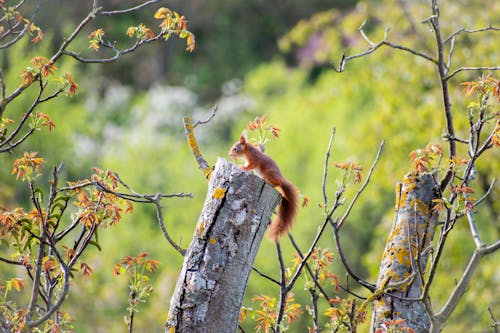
point(213, 278)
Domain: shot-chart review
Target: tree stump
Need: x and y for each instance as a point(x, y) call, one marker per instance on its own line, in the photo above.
point(405, 257)
point(213, 279)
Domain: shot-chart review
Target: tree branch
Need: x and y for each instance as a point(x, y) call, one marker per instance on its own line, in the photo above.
point(461, 287)
point(128, 10)
point(374, 46)
point(478, 68)
point(325, 168)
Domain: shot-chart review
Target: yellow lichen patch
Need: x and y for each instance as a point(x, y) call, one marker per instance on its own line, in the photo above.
point(409, 178)
point(212, 240)
point(420, 207)
point(409, 187)
point(402, 256)
point(219, 193)
point(201, 227)
point(207, 172)
point(398, 195)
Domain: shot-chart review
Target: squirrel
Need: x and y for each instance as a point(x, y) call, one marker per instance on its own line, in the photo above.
point(269, 170)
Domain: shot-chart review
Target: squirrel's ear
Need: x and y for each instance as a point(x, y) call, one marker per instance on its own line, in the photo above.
point(243, 137)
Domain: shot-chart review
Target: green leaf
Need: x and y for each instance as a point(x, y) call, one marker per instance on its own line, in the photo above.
point(96, 245)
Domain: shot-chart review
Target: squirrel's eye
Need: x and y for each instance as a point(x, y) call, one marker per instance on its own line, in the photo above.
point(235, 149)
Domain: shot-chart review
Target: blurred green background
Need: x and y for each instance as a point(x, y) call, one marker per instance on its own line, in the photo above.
point(257, 57)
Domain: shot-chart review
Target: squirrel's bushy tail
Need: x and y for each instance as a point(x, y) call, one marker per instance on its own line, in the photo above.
point(286, 212)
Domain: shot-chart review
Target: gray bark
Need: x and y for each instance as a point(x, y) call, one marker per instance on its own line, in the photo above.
point(405, 257)
point(212, 282)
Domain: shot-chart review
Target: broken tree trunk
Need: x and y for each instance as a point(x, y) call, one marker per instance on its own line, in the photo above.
point(212, 282)
point(405, 257)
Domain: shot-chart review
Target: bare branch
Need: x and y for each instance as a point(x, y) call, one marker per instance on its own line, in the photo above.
point(283, 290)
point(195, 149)
point(362, 32)
point(442, 70)
point(210, 117)
point(159, 217)
point(469, 31)
point(473, 229)
point(478, 68)
point(325, 168)
point(348, 269)
point(12, 262)
point(128, 10)
point(487, 193)
point(2, 89)
point(496, 323)
point(264, 275)
point(118, 53)
point(463, 283)
point(374, 46)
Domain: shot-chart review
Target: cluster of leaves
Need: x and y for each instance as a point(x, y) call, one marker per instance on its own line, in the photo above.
point(481, 114)
point(267, 312)
point(43, 67)
point(14, 24)
point(320, 262)
point(95, 39)
point(99, 204)
point(42, 71)
point(35, 240)
point(345, 315)
point(136, 269)
point(349, 169)
point(318, 280)
point(172, 23)
point(25, 166)
point(427, 159)
point(264, 132)
point(395, 326)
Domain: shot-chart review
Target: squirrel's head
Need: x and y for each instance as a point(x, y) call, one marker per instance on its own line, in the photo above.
point(238, 148)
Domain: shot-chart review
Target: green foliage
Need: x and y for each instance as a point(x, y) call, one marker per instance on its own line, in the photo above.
point(137, 270)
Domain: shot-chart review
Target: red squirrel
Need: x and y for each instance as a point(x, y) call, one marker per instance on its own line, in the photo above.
point(269, 170)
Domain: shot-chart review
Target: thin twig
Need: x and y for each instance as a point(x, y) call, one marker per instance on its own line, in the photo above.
point(496, 323)
point(12, 262)
point(210, 117)
point(283, 289)
point(128, 10)
point(159, 216)
point(264, 275)
point(469, 31)
point(325, 168)
point(467, 68)
point(375, 46)
point(362, 188)
point(348, 269)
